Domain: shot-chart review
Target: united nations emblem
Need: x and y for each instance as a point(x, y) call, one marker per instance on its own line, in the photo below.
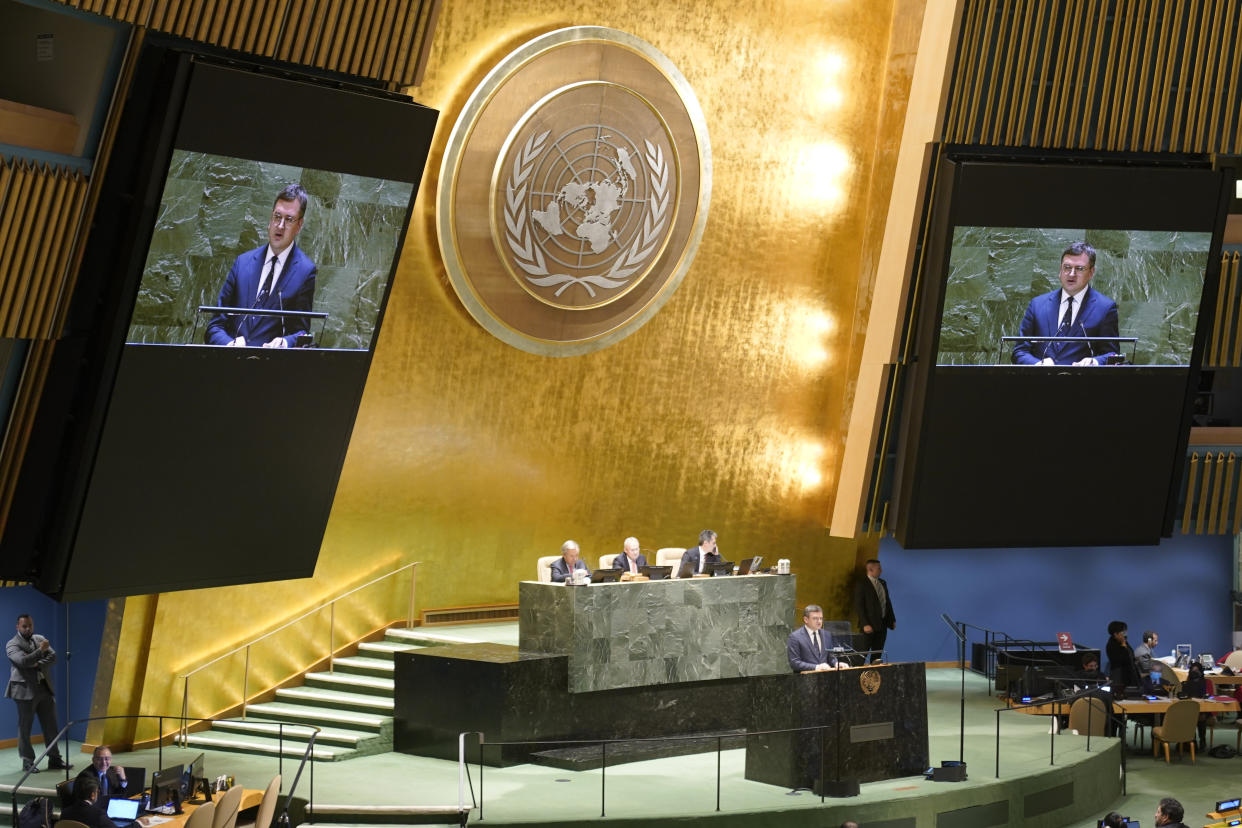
point(869, 681)
point(595, 198)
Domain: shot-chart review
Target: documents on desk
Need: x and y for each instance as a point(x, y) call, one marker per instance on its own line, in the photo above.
point(152, 820)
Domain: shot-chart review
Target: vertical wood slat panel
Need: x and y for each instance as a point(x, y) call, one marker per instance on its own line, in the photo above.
point(1225, 37)
point(17, 244)
point(376, 65)
point(1131, 49)
point(1022, 73)
point(1214, 509)
point(1166, 62)
point(1179, 96)
point(1209, 53)
point(70, 218)
point(1205, 492)
point(964, 63)
point(45, 267)
point(1212, 359)
point(11, 220)
point(1144, 98)
point(1075, 76)
point(989, 113)
point(1045, 62)
point(31, 273)
point(401, 45)
point(1232, 328)
point(1226, 498)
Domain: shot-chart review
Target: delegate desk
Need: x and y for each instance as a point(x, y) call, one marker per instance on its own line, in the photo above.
point(644, 633)
point(250, 799)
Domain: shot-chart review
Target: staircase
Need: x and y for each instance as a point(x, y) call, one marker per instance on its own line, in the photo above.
point(352, 705)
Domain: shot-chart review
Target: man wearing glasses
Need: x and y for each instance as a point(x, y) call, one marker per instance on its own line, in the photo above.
point(277, 276)
point(1075, 310)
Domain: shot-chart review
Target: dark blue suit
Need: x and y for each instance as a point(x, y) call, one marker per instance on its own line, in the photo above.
point(802, 653)
point(560, 569)
point(692, 555)
point(622, 562)
point(294, 290)
point(1096, 317)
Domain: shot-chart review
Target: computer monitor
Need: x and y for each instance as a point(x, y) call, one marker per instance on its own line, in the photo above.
point(192, 779)
point(166, 786)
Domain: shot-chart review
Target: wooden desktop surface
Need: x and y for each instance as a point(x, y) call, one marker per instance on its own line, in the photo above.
point(1130, 707)
point(250, 799)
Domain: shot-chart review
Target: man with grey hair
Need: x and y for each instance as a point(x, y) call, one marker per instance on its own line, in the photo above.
point(806, 648)
point(570, 560)
point(1073, 310)
point(631, 559)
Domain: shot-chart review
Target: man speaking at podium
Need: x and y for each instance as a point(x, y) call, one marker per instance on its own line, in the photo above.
point(806, 647)
point(1074, 310)
point(277, 276)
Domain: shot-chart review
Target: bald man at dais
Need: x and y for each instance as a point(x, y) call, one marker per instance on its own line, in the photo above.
point(631, 559)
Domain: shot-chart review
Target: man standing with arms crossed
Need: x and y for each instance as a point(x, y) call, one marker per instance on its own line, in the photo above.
point(30, 686)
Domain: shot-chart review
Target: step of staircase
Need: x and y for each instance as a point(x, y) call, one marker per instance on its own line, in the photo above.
point(322, 697)
point(364, 666)
point(427, 639)
point(322, 716)
point(244, 743)
point(273, 729)
point(385, 649)
point(352, 683)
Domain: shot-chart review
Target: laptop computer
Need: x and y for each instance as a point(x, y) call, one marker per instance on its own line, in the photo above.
point(123, 811)
point(686, 570)
point(749, 565)
point(656, 573)
point(604, 576)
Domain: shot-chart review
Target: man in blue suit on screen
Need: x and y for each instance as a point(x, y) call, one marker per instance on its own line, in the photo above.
point(277, 276)
point(1074, 310)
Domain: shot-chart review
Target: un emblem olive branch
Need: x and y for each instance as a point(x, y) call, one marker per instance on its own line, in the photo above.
point(529, 255)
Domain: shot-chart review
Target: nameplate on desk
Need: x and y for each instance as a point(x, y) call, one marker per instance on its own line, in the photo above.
point(874, 732)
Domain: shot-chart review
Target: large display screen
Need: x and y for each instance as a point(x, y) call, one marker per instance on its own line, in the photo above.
point(1062, 307)
point(1004, 282)
point(217, 216)
point(198, 410)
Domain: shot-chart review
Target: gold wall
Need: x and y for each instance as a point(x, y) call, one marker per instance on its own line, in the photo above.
point(725, 411)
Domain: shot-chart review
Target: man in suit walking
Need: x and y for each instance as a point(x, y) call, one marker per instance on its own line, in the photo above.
point(1076, 309)
point(806, 647)
point(30, 686)
point(276, 277)
point(875, 610)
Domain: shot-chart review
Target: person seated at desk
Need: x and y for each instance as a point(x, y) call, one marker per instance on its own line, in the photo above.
point(806, 647)
point(1170, 813)
point(1198, 686)
point(703, 554)
point(630, 560)
point(85, 808)
point(1090, 671)
point(109, 777)
point(570, 561)
point(1149, 669)
point(1122, 670)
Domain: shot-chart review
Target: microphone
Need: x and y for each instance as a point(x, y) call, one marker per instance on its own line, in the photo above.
point(280, 302)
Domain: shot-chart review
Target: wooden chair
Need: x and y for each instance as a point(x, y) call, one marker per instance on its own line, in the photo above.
point(201, 816)
point(1180, 727)
point(543, 568)
point(227, 807)
point(1089, 715)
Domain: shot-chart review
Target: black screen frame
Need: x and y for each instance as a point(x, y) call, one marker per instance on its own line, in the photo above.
point(974, 467)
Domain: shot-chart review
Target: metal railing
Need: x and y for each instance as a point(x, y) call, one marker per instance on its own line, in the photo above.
point(61, 738)
point(185, 717)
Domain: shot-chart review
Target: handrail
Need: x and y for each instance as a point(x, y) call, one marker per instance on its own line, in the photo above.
point(185, 677)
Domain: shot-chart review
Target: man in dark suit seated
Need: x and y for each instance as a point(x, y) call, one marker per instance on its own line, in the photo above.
point(570, 560)
point(703, 554)
point(277, 276)
point(85, 808)
point(630, 560)
point(1075, 309)
point(109, 777)
point(806, 647)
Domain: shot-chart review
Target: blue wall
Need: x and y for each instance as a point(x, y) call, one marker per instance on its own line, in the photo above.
point(1180, 589)
point(75, 630)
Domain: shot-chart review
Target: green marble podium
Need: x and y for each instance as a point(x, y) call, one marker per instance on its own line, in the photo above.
point(646, 633)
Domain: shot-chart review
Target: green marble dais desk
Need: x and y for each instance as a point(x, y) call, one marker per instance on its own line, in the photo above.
point(660, 632)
